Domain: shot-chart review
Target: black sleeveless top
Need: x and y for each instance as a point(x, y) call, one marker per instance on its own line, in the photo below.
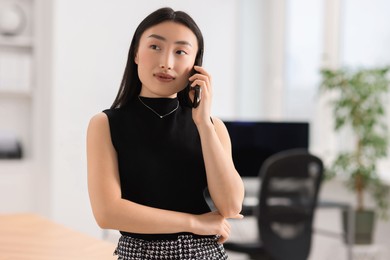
point(160, 159)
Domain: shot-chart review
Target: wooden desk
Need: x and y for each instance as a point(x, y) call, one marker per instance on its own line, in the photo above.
point(31, 237)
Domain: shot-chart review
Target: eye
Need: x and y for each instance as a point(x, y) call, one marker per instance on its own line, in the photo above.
point(181, 52)
point(154, 47)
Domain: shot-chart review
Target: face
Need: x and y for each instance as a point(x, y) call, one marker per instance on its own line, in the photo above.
point(165, 58)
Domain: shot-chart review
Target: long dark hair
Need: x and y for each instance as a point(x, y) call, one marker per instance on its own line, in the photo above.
point(130, 86)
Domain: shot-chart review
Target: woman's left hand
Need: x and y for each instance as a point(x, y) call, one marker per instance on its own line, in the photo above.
point(202, 78)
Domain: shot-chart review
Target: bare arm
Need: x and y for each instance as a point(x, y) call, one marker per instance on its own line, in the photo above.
point(113, 212)
point(225, 185)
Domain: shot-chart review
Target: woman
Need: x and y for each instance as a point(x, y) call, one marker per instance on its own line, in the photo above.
point(151, 156)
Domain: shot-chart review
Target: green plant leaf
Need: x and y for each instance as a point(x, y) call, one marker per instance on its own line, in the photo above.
point(359, 104)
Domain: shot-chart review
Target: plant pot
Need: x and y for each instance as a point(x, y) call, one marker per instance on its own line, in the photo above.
point(364, 226)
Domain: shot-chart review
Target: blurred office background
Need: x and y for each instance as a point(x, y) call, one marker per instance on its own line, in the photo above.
point(61, 62)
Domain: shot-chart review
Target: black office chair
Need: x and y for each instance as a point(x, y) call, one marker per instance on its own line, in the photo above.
point(290, 182)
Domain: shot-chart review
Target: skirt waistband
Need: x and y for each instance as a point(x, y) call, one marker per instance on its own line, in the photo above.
point(185, 247)
point(155, 237)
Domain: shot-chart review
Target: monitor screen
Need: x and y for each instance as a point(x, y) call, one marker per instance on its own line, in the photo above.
point(253, 142)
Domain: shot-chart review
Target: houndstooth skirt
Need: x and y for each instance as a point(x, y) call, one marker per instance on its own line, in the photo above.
point(185, 247)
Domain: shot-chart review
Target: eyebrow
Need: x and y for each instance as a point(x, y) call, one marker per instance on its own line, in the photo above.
point(159, 37)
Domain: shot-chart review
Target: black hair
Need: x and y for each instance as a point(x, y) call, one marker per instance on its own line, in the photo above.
point(130, 86)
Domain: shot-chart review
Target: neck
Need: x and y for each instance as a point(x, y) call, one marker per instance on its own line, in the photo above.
point(148, 94)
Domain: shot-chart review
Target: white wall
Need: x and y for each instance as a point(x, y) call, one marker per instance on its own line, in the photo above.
point(251, 61)
point(90, 44)
point(365, 33)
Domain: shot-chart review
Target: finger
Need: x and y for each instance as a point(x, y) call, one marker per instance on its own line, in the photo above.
point(227, 230)
point(202, 71)
point(222, 239)
point(238, 216)
point(227, 224)
point(199, 76)
point(199, 82)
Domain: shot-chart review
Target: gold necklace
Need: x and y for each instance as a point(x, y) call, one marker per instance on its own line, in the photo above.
point(154, 111)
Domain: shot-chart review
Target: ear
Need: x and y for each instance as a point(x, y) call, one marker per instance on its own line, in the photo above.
point(136, 58)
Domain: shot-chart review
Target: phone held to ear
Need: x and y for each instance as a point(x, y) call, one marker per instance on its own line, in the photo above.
point(197, 96)
point(197, 92)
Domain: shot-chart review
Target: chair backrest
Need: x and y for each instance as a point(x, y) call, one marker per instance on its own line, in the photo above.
point(290, 182)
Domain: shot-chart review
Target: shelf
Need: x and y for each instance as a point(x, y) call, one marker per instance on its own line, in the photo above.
point(14, 166)
point(15, 93)
point(20, 42)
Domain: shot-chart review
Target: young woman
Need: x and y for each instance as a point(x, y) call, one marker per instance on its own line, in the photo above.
point(151, 156)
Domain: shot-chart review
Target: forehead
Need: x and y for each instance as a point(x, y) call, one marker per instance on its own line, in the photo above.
point(172, 32)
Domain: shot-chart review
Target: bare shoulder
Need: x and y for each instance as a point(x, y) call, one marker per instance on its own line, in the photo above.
point(98, 125)
point(99, 120)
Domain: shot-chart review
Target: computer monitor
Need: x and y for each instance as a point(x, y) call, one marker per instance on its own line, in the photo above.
point(253, 142)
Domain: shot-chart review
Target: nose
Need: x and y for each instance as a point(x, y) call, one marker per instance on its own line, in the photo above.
point(166, 62)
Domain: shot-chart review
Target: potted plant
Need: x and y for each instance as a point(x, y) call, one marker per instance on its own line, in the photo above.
point(359, 105)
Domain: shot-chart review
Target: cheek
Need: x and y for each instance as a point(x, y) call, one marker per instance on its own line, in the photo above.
point(186, 67)
point(187, 72)
point(183, 80)
point(143, 65)
point(144, 58)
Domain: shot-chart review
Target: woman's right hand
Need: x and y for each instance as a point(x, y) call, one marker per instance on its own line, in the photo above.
point(213, 223)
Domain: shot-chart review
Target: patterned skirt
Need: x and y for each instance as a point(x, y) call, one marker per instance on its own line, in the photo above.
point(185, 247)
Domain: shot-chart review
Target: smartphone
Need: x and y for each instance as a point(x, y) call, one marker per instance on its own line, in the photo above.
point(197, 92)
point(196, 101)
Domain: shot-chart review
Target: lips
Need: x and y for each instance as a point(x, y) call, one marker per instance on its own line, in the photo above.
point(163, 77)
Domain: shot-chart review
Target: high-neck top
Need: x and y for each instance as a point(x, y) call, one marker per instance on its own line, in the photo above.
point(160, 160)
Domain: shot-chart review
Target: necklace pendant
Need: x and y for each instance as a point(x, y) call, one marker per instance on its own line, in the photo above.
point(151, 109)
